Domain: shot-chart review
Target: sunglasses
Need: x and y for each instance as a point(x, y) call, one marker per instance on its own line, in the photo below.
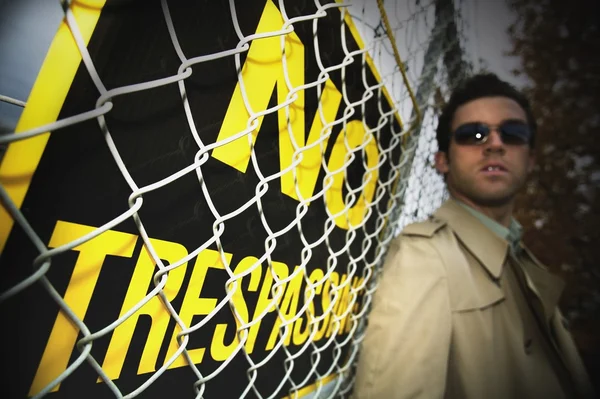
point(477, 133)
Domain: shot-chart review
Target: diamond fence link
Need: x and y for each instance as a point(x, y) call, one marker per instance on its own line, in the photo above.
point(269, 249)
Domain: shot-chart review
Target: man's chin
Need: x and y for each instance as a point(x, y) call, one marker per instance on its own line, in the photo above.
point(494, 201)
point(484, 195)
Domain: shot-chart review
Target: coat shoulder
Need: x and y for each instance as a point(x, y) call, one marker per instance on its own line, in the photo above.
point(425, 228)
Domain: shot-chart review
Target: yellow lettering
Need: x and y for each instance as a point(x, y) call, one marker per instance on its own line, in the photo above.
point(340, 299)
point(263, 70)
point(78, 294)
point(357, 283)
point(87, 269)
point(194, 305)
point(288, 308)
point(266, 303)
point(300, 336)
point(218, 349)
point(344, 303)
point(308, 167)
point(334, 278)
point(138, 289)
point(350, 320)
point(355, 135)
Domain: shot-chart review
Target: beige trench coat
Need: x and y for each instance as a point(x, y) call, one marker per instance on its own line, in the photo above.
point(447, 320)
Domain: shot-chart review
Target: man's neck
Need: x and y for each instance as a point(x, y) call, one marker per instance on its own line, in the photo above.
point(501, 214)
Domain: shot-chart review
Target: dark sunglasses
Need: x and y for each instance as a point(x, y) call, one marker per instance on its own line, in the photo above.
point(477, 133)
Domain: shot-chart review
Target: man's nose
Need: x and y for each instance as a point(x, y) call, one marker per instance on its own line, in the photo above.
point(494, 142)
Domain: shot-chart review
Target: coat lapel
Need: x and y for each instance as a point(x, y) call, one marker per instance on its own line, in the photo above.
point(489, 249)
point(546, 286)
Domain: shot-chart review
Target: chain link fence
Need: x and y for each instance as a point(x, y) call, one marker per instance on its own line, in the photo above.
point(198, 196)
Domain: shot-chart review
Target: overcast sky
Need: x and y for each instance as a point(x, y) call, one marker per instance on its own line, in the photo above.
point(26, 31)
point(487, 38)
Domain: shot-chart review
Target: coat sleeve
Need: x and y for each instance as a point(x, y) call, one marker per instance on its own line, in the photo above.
point(406, 346)
point(571, 357)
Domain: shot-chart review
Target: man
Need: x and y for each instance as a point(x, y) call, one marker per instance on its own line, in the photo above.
point(463, 309)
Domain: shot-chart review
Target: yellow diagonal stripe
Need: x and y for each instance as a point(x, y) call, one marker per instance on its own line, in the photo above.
point(43, 106)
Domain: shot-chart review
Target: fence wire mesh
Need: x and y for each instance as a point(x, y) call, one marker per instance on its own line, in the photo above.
point(226, 263)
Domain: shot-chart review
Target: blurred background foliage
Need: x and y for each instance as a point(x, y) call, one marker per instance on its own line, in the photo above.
point(558, 43)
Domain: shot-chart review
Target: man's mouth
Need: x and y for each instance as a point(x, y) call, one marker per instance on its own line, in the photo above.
point(494, 168)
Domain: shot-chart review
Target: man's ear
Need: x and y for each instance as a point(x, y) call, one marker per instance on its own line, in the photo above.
point(441, 162)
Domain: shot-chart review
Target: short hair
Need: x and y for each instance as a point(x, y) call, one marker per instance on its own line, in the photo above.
point(476, 87)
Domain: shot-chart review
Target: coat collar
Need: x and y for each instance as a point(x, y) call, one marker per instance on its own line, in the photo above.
point(492, 252)
point(489, 249)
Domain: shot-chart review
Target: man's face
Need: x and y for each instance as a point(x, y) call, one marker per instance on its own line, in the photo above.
point(489, 174)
